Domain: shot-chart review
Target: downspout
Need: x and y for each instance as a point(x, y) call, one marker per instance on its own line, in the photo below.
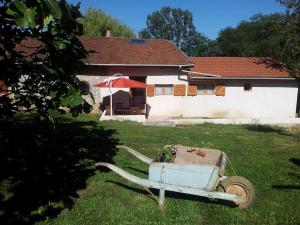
point(189, 73)
point(184, 71)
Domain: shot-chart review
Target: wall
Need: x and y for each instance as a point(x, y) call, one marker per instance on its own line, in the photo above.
point(268, 98)
point(96, 74)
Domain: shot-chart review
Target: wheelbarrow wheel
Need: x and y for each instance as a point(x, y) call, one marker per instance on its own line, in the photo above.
point(239, 186)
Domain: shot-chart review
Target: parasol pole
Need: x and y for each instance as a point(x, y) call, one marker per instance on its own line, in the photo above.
point(110, 91)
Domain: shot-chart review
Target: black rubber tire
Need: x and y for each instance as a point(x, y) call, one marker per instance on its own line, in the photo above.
point(231, 184)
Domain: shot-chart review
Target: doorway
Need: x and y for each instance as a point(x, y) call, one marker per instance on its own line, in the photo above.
point(138, 95)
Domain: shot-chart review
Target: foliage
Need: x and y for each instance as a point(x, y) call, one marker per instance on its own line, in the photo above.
point(177, 25)
point(275, 35)
point(42, 77)
point(291, 35)
point(205, 47)
point(167, 154)
point(96, 23)
point(258, 37)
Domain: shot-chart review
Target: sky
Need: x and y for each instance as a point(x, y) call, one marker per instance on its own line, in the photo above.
point(210, 16)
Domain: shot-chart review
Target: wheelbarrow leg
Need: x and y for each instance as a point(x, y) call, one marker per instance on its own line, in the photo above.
point(162, 187)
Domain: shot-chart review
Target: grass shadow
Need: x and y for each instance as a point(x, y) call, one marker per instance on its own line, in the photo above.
point(266, 129)
point(295, 161)
point(137, 170)
point(176, 195)
point(42, 170)
point(282, 187)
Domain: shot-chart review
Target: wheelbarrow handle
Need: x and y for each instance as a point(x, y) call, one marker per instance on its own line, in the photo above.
point(140, 156)
point(126, 175)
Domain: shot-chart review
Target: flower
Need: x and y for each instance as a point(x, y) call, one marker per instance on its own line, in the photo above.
point(167, 154)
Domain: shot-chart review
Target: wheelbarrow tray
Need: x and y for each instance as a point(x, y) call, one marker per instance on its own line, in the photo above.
point(187, 155)
point(185, 175)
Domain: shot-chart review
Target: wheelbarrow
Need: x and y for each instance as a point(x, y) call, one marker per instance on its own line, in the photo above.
point(191, 174)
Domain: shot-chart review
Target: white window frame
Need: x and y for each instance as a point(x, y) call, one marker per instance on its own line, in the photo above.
point(163, 88)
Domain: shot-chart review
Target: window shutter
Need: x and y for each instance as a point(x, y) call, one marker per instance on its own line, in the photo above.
point(150, 90)
point(220, 90)
point(179, 89)
point(192, 91)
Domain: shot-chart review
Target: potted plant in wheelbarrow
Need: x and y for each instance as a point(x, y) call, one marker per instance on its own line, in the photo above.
point(190, 170)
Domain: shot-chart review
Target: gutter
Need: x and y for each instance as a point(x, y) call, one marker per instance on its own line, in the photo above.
point(142, 65)
point(241, 78)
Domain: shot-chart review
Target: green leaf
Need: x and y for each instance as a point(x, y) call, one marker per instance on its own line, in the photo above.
point(16, 8)
point(24, 16)
point(47, 20)
point(54, 8)
point(53, 94)
point(53, 113)
point(7, 54)
point(30, 17)
point(72, 99)
point(48, 69)
point(59, 45)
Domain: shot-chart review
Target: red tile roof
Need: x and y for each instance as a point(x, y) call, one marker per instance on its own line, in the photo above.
point(114, 50)
point(239, 67)
point(3, 88)
point(29, 47)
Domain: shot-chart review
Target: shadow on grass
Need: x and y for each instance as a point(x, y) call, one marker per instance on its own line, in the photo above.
point(175, 195)
point(282, 187)
point(295, 161)
point(137, 170)
point(266, 129)
point(42, 170)
point(288, 186)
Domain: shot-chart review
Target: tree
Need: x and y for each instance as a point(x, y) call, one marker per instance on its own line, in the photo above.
point(258, 37)
point(174, 24)
point(44, 77)
point(96, 23)
point(204, 47)
point(290, 40)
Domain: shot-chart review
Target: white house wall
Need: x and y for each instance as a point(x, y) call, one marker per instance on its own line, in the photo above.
point(268, 98)
point(96, 74)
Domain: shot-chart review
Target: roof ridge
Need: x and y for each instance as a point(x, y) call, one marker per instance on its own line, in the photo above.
point(103, 37)
point(182, 52)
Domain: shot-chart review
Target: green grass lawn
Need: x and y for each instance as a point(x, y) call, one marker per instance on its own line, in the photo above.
point(50, 178)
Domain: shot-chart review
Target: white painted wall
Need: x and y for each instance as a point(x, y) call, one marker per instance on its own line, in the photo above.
point(268, 98)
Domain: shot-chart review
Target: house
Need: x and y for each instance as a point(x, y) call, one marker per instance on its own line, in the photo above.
point(141, 60)
point(185, 87)
point(179, 86)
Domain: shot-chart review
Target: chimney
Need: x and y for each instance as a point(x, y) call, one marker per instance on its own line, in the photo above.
point(108, 33)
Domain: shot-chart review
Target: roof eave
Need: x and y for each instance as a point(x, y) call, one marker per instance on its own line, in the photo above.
point(141, 65)
point(241, 78)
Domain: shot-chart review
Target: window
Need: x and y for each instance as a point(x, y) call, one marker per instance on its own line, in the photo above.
point(164, 89)
point(247, 87)
point(205, 89)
